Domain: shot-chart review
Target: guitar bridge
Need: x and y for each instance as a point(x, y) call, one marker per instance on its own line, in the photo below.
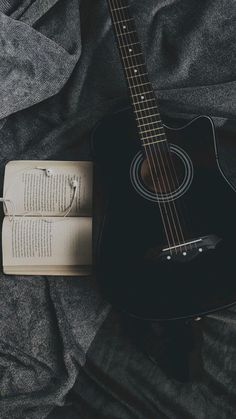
point(191, 249)
point(186, 251)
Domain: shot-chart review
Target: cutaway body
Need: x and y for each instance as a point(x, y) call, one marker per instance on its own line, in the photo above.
point(138, 271)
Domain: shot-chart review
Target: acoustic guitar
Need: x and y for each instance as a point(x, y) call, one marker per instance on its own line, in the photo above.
point(167, 248)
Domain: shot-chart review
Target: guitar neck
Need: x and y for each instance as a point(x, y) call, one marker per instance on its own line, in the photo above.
point(140, 88)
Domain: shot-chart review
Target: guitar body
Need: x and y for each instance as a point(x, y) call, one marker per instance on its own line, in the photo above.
point(136, 274)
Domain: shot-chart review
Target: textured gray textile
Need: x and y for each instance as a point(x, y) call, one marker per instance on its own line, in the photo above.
point(63, 353)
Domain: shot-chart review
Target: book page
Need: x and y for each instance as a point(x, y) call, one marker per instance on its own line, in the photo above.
point(33, 192)
point(51, 243)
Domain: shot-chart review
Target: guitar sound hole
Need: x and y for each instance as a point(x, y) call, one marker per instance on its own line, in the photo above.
point(162, 174)
point(162, 180)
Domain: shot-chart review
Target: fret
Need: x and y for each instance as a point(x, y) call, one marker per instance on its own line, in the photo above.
point(147, 124)
point(130, 56)
point(154, 142)
point(153, 136)
point(136, 75)
point(149, 116)
point(134, 65)
point(140, 94)
point(138, 85)
point(118, 5)
point(123, 21)
point(119, 8)
point(125, 33)
point(147, 109)
point(133, 55)
point(130, 45)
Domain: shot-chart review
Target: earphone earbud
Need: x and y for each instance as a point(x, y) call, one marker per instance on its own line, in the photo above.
point(74, 183)
point(49, 172)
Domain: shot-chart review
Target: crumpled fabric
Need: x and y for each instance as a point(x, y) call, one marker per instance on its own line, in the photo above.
point(63, 351)
point(35, 66)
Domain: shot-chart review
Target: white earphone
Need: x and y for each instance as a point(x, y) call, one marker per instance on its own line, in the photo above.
point(74, 183)
point(48, 172)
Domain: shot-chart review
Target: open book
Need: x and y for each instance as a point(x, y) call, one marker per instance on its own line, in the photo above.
point(47, 228)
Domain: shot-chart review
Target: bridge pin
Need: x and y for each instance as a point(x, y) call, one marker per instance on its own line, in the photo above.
point(200, 249)
point(184, 253)
point(168, 258)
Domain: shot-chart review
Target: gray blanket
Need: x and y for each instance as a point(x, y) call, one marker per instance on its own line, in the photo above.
point(64, 353)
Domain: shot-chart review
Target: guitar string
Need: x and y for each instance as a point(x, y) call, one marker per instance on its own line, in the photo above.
point(162, 144)
point(166, 231)
point(176, 232)
point(123, 19)
point(163, 149)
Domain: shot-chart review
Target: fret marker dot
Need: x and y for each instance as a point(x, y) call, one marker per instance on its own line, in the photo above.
point(130, 50)
point(124, 27)
point(135, 70)
point(142, 97)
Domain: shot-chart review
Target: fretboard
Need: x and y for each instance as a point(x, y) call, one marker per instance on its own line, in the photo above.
point(141, 91)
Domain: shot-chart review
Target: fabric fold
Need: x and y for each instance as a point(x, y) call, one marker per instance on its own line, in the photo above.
point(33, 67)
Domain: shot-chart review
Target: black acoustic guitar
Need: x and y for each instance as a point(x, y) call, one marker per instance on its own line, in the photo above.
point(167, 248)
